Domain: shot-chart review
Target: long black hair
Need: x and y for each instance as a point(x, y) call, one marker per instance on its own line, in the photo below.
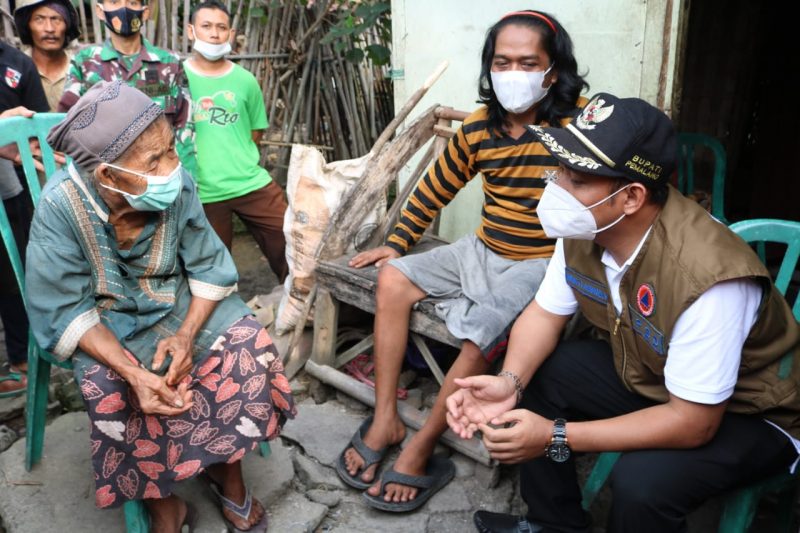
point(560, 100)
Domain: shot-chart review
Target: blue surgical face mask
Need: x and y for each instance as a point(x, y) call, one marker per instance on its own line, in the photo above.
point(130, 20)
point(161, 191)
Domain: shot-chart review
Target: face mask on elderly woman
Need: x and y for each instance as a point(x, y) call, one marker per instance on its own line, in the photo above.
point(161, 191)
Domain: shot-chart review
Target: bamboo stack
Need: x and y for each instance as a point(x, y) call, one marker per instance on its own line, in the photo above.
point(311, 93)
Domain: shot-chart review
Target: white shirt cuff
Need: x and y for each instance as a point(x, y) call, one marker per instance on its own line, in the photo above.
point(66, 345)
point(210, 291)
point(693, 395)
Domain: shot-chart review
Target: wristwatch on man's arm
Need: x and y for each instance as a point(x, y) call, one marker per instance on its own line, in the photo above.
point(558, 450)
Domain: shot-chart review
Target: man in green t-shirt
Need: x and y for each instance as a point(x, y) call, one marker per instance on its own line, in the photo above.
point(229, 118)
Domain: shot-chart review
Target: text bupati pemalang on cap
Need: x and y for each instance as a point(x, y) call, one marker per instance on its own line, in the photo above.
point(616, 137)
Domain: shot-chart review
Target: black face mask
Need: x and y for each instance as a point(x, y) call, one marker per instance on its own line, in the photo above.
point(130, 21)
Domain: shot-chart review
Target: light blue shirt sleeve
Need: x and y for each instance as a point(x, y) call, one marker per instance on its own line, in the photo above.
point(58, 283)
point(208, 265)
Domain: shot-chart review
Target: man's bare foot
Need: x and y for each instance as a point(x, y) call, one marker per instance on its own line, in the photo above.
point(378, 436)
point(411, 461)
point(167, 514)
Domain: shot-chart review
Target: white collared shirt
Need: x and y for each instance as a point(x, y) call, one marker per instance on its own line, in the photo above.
point(705, 349)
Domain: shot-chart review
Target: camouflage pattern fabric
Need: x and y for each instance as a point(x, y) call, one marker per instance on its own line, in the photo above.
point(154, 71)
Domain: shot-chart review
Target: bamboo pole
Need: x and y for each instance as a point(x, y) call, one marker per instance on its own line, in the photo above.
point(235, 25)
point(187, 12)
point(408, 106)
point(82, 16)
point(289, 132)
point(173, 25)
point(8, 27)
point(97, 29)
point(162, 24)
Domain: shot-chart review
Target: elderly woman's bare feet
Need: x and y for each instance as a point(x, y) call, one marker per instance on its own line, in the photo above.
point(167, 515)
point(240, 513)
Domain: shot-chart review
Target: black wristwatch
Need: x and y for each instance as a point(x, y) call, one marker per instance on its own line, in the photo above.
point(558, 450)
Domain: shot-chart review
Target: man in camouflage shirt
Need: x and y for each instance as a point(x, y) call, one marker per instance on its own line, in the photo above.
point(128, 56)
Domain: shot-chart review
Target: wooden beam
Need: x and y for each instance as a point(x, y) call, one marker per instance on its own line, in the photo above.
point(450, 113)
point(444, 131)
point(428, 356)
point(326, 319)
point(345, 357)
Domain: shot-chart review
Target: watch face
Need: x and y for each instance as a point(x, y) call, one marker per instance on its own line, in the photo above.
point(558, 452)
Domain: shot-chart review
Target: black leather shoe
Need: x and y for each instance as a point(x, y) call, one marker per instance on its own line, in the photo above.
point(488, 522)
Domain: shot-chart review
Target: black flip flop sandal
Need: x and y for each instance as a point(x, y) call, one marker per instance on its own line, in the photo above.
point(438, 473)
point(369, 455)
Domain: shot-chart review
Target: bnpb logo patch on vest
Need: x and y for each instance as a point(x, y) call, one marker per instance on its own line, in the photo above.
point(646, 299)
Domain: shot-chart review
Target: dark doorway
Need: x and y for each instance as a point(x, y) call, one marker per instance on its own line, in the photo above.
point(740, 65)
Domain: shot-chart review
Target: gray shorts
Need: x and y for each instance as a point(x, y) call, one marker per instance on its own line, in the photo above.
point(481, 293)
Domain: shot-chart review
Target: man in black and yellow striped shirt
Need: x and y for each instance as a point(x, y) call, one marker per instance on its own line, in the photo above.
point(528, 76)
point(513, 180)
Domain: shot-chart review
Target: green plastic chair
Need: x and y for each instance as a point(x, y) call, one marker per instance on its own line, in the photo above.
point(740, 505)
point(19, 130)
point(687, 144)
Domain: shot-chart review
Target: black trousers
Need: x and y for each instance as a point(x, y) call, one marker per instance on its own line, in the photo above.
point(653, 490)
point(12, 308)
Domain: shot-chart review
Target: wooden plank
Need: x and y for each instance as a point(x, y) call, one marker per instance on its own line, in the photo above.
point(444, 131)
point(326, 319)
point(428, 356)
point(423, 319)
point(450, 114)
point(345, 357)
point(393, 215)
point(412, 417)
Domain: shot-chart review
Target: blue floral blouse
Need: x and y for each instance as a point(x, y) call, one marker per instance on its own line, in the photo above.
point(77, 276)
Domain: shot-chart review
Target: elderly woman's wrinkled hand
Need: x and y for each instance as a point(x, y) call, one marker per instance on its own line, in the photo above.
point(180, 348)
point(157, 398)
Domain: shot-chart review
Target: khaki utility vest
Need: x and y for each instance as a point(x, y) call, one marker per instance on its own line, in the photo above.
point(686, 253)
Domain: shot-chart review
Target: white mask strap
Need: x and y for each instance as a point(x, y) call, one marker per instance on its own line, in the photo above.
point(610, 196)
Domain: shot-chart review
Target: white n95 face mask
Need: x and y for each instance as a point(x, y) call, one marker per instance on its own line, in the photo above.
point(517, 90)
point(563, 216)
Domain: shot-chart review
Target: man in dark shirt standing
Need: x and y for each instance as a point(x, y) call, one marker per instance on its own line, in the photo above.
point(20, 87)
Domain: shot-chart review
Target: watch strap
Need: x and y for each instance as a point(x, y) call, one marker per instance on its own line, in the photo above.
point(559, 429)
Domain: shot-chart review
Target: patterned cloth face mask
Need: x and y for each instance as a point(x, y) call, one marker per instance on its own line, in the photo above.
point(161, 191)
point(124, 21)
point(564, 216)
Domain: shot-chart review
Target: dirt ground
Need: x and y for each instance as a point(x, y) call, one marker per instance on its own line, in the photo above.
point(255, 276)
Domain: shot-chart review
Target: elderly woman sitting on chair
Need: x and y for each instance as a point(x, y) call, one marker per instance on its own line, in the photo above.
point(126, 277)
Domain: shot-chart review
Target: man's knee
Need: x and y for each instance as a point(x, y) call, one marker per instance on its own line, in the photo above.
point(640, 486)
point(394, 288)
point(471, 353)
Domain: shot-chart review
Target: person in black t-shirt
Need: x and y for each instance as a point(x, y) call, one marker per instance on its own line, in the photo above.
point(20, 87)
